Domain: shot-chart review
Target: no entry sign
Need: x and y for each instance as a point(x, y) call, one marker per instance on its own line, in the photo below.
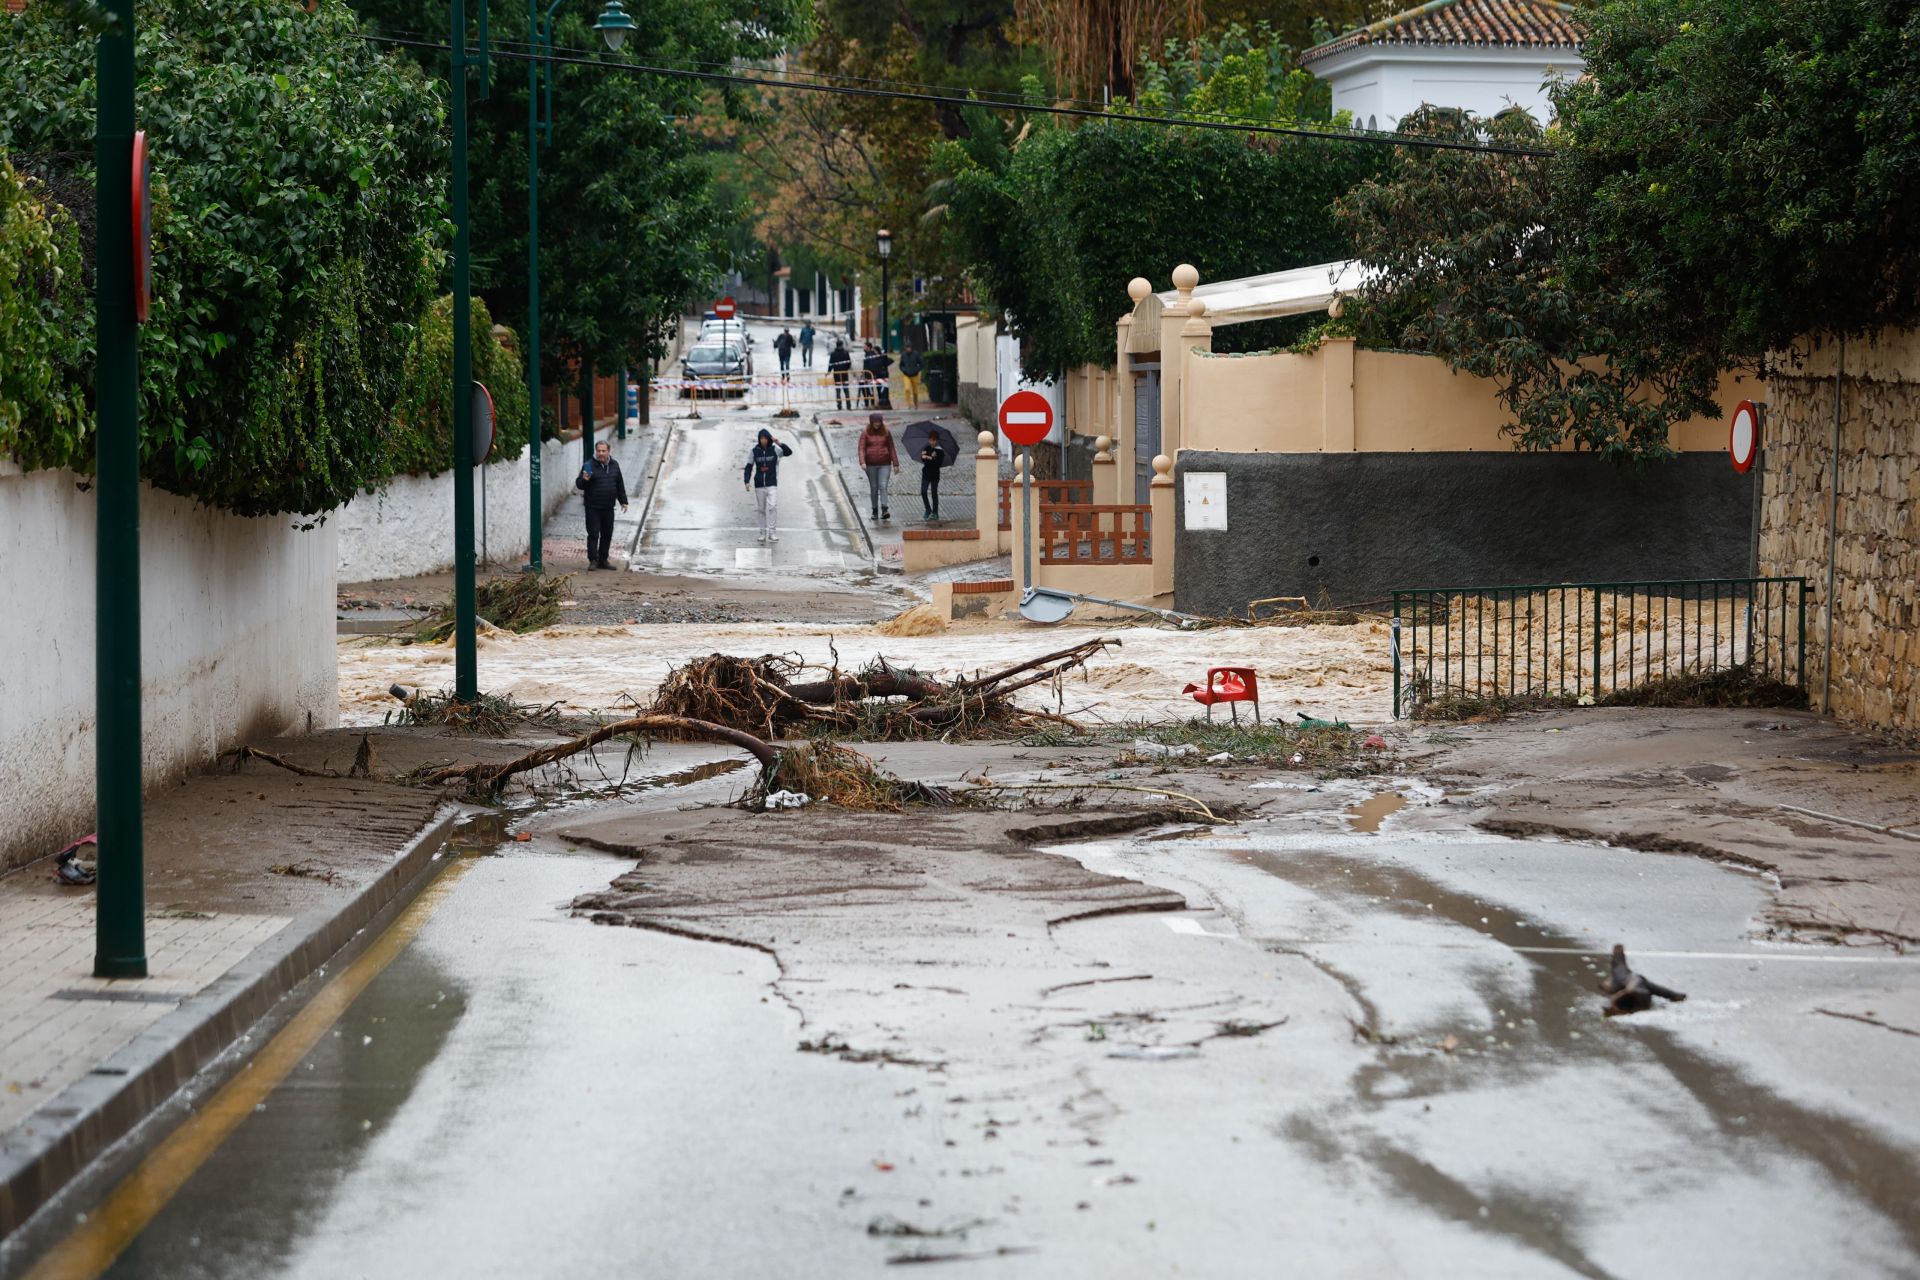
point(726, 308)
point(1743, 435)
point(1026, 418)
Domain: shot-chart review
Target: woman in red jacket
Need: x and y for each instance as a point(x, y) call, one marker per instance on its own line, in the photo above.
point(881, 460)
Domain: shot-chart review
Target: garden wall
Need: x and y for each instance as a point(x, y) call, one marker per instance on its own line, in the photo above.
point(406, 528)
point(1876, 554)
point(237, 644)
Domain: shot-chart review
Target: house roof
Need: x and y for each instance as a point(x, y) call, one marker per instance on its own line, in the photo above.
point(1501, 24)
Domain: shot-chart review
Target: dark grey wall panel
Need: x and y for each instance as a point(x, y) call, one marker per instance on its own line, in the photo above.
point(1355, 525)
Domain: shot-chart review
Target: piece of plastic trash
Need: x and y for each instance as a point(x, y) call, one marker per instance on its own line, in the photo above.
point(1225, 757)
point(1159, 751)
point(1155, 1052)
point(1297, 758)
point(1585, 700)
point(1310, 722)
point(787, 800)
point(1375, 741)
point(67, 867)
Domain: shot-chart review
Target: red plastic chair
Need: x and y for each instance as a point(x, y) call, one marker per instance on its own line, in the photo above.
point(1228, 685)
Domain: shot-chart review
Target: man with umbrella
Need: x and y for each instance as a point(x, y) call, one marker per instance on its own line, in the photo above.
point(936, 448)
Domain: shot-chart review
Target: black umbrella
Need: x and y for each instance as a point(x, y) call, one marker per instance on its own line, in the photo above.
point(915, 438)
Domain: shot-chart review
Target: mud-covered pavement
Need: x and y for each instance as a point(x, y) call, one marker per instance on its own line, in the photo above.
point(1353, 1034)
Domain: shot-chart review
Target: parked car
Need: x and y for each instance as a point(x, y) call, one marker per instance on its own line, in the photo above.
point(717, 362)
point(717, 330)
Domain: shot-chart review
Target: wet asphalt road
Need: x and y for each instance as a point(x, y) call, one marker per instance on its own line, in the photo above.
point(523, 1093)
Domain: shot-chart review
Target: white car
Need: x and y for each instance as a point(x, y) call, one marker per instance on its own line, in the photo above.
point(724, 331)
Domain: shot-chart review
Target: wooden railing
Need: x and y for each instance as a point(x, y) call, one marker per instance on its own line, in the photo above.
point(1045, 493)
point(1081, 533)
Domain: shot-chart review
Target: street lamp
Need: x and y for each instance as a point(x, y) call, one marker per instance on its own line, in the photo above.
point(614, 25)
point(885, 246)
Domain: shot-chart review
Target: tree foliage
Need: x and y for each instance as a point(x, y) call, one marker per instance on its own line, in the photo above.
point(423, 420)
point(1233, 74)
point(42, 308)
point(631, 223)
point(1055, 221)
point(1746, 173)
point(299, 195)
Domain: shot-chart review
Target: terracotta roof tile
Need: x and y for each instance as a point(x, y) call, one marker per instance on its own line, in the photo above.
point(1529, 24)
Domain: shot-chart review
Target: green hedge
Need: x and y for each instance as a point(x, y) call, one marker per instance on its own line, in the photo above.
point(300, 183)
point(44, 308)
point(423, 437)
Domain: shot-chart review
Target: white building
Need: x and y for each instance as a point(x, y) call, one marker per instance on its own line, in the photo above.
point(1480, 55)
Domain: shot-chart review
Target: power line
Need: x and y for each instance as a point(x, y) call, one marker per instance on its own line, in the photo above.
point(578, 57)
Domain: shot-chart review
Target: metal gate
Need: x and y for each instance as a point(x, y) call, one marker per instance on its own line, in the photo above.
point(1146, 431)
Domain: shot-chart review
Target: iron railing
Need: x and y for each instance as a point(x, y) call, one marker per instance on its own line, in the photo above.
point(1585, 641)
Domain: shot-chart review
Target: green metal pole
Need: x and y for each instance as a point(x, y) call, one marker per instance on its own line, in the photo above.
point(120, 925)
point(534, 520)
point(466, 676)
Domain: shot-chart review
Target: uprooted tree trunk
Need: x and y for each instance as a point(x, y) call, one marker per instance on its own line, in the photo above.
point(491, 777)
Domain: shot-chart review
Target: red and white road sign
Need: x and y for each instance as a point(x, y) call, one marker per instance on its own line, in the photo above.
point(1743, 435)
point(726, 308)
point(1026, 418)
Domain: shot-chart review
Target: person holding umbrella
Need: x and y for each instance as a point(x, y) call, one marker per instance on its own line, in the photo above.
point(936, 449)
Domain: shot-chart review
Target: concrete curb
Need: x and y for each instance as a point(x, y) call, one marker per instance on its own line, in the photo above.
point(825, 438)
point(88, 1117)
point(653, 487)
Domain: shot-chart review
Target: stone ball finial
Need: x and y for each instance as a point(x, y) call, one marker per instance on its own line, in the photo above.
point(1186, 277)
point(1337, 307)
point(1102, 443)
point(1162, 465)
point(1139, 287)
point(1020, 464)
point(986, 440)
point(1197, 307)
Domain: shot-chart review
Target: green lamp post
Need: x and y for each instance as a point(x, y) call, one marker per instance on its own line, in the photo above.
point(614, 26)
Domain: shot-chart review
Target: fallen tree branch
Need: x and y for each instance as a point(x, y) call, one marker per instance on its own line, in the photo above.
point(1207, 815)
point(492, 777)
point(242, 754)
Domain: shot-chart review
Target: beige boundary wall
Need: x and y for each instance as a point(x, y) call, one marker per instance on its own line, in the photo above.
point(1874, 550)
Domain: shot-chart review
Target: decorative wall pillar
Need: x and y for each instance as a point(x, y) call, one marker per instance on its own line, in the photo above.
point(1186, 278)
point(1016, 510)
point(986, 492)
point(1106, 475)
point(1163, 528)
point(1195, 335)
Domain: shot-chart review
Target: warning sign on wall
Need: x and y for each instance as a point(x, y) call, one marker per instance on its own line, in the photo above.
point(1206, 499)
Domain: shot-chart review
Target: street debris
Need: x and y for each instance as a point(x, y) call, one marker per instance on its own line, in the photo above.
point(488, 715)
point(487, 779)
point(67, 867)
point(786, 800)
point(519, 603)
point(1160, 751)
point(307, 870)
point(778, 696)
point(829, 773)
point(1630, 992)
point(1736, 686)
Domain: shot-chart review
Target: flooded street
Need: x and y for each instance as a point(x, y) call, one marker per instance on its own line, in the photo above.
point(835, 1042)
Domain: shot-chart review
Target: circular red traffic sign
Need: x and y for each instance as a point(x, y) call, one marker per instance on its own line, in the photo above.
point(1026, 418)
point(726, 308)
point(142, 231)
point(1743, 435)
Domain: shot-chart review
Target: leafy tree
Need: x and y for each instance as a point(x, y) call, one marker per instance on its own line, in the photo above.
point(1056, 220)
point(1746, 173)
point(423, 420)
point(631, 222)
point(43, 413)
point(1235, 74)
point(299, 196)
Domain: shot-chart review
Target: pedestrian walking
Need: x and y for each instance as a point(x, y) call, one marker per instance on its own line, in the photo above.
point(881, 460)
point(601, 486)
point(877, 365)
point(762, 478)
point(806, 344)
point(783, 347)
point(910, 366)
point(932, 458)
point(840, 364)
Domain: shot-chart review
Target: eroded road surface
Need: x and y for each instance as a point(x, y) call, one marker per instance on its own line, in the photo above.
point(1348, 1036)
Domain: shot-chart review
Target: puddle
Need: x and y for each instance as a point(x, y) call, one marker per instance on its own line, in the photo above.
point(1371, 812)
point(1552, 1028)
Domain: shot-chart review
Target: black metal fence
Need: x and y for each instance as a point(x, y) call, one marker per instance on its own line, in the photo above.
point(1585, 641)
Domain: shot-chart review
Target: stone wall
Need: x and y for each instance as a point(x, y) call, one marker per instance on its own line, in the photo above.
point(1875, 558)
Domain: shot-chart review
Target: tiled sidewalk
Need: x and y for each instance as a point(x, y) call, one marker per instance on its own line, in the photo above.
point(57, 1021)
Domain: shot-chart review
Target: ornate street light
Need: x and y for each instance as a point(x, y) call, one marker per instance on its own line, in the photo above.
point(614, 25)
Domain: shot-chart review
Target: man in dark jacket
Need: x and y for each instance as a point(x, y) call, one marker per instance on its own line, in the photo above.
point(762, 477)
point(878, 365)
point(783, 347)
point(601, 485)
point(839, 362)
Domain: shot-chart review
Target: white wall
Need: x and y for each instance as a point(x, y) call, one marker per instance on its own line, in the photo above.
point(237, 643)
point(407, 527)
point(1381, 84)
